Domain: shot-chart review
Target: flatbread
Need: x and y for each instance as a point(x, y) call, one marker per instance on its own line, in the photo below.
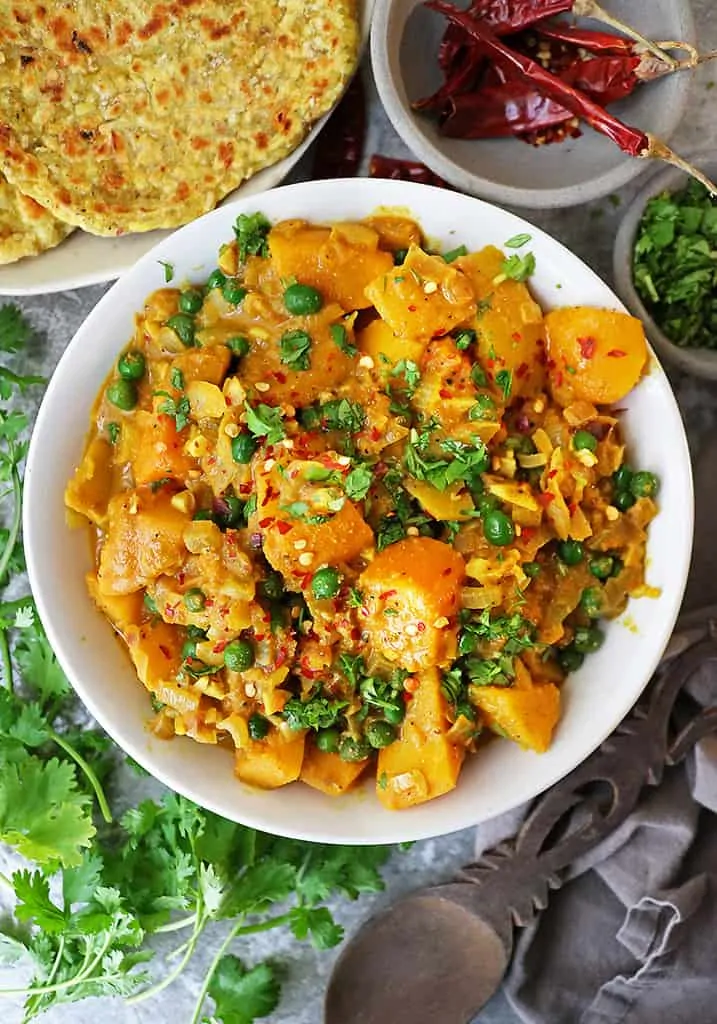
point(128, 115)
point(26, 228)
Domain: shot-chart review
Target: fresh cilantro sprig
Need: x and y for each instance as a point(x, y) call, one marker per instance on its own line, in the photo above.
point(295, 349)
point(265, 421)
point(466, 464)
point(251, 231)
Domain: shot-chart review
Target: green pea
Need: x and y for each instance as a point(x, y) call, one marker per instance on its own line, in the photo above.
point(624, 500)
point(123, 394)
point(531, 569)
point(183, 326)
point(621, 478)
point(570, 659)
point(233, 291)
point(272, 587)
point(215, 280)
point(591, 602)
point(644, 485)
point(301, 299)
point(229, 512)
point(131, 365)
point(258, 726)
point(394, 713)
point(327, 740)
point(585, 441)
point(194, 599)
point(190, 301)
point(243, 447)
point(588, 639)
point(238, 346)
point(353, 750)
point(399, 256)
point(326, 583)
point(570, 552)
point(602, 566)
point(380, 734)
point(189, 649)
point(239, 655)
point(498, 528)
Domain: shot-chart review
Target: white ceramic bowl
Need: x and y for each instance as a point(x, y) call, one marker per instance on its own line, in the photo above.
point(501, 776)
point(702, 362)
point(404, 45)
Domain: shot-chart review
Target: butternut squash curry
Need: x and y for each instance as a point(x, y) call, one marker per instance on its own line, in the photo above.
point(357, 505)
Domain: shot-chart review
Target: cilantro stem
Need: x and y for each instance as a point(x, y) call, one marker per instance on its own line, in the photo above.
point(5, 661)
point(4, 880)
point(175, 926)
point(86, 969)
point(265, 926)
point(167, 980)
point(14, 531)
point(88, 772)
point(231, 935)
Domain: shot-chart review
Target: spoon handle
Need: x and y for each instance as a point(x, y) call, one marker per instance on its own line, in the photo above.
point(578, 813)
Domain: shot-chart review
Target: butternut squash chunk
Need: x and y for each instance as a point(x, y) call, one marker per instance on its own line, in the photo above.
point(156, 651)
point(424, 298)
point(159, 451)
point(208, 364)
point(144, 540)
point(123, 610)
point(422, 763)
point(526, 712)
point(411, 592)
point(271, 762)
point(327, 772)
point(385, 348)
point(89, 490)
point(597, 355)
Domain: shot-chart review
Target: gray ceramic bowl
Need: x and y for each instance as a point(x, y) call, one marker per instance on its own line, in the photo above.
point(699, 361)
point(404, 44)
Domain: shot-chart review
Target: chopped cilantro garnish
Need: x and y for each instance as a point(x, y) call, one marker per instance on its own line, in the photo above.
point(453, 254)
point(464, 338)
point(251, 230)
point(358, 482)
point(407, 369)
point(517, 241)
point(178, 408)
point(340, 337)
point(168, 270)
point(294, 348)
point(504, 380)
point(518, 268)
point(113, 432)
point(265, 421)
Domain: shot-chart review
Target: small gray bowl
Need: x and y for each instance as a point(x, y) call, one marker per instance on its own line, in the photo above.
point(404, 47)
point(701, 362)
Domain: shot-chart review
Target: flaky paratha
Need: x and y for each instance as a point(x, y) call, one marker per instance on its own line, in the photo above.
point(124, 115)
point(26, 229)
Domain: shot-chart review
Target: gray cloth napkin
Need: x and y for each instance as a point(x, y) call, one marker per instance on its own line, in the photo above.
point(631, 938)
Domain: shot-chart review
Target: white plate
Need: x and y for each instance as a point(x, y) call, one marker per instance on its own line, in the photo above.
point(499, 777)
point(84, 259)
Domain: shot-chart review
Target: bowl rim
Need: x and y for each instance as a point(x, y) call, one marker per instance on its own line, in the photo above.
point(699, 361)
point(393, 193)
point(405, 123)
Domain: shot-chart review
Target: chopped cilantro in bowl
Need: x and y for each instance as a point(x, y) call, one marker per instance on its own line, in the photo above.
point(674, 265)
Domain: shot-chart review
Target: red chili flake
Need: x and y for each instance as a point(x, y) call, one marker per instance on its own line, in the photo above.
point(306, 670)
point(386, 594)
point(527, 532)
point(209, 603)
point(298, 574)
point(375, 434)
point(571, 507)
point(447, 572)
point(407, 696)
point(245, 488)
point(421, 627)
point(559, 379)
point(545, 499)
point(259, 637)
point(355, 634)
point(552, 473)
point(165, 651)
point(308, 576)
point(411, 309)
point(551, 364)
point(224, 612)
point(522, 370)
point(264, 523)
point(280, 658)
point(283, 527)
point(588, 347)
point(278, 375)
point(617, 353)
point(181, 577)
point(218, 648)
point(445, 393)
point(169, 612)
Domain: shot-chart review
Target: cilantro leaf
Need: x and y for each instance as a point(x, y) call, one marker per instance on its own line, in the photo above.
point(407, 369)
point(340, 337)
point(268, 881)
point(465, 466)
point(504, 380)
point(517, 241)
point(453, 254)
point(358, 482)
point(251, 231)
point(113, 432)
point(39, 666)
point(316, 924)
point(265, 421)
point(179, 409)
point(337, 414)
point(14, 329)
point(168, 270)
point(32, 890)
point(240, 995)
point(42, 812)
point(294, 349)
point(316, 713)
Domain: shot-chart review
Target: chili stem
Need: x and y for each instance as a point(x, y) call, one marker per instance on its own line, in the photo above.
point(590, 9)
point(661, 151)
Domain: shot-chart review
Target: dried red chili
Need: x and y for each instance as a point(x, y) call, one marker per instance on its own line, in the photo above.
point(499, 111)
point(339, 148)
point(403, 170)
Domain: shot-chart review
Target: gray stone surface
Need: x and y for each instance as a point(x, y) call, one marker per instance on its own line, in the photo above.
point(589, 232)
